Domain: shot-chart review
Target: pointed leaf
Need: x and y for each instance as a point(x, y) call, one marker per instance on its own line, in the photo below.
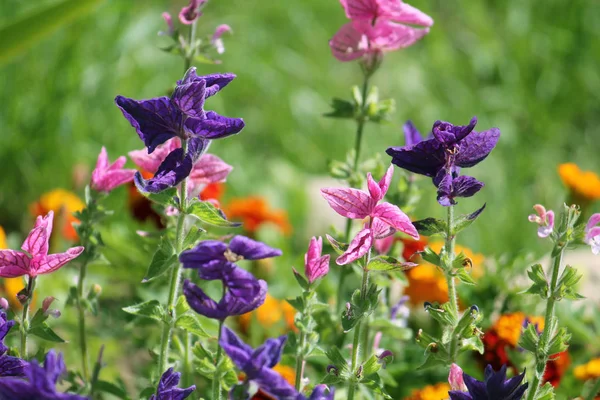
point(44, 331)
point(164, 258)
point(149, 309)
point(209, 214)
point(464, 221)
point(190, 323)
point(431, 226)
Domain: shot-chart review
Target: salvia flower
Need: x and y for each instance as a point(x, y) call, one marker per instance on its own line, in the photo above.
point(494, 386)
point(216, 39)
point(108, 176)
point(315, 265)
point(9, 366)
point(181, 115)
point(455, 378)
point(592, 233)
point(257, 364)
point(35, 260)
point(169, 21)
point(167, 387)
point(441, 156)
point(544, 219)
point(39, 383)
point(190, 13)
point(384, 218)
point(376, 27)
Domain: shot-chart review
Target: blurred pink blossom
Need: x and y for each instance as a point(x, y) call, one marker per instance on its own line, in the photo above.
point(592, 233)
point(315, 265)
point(107, 177)
point(455, 378)
point(216, 40)
point(544, 219)
point(190, 13)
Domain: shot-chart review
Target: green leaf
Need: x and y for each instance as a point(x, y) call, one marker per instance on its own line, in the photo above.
point(300, 279)
point(371, 366)
point(387, 263)
point(464, 221)
point(111, 388)
point(339, 247)
point(337, 359)
point(432, 361)
point(430, 256)
point(44, 331)
point(192, 237)
point(165, 198)
point(209, 214)
point(529, 338)
point(182, 306)
point(38, 319)
point(20, 34)
point(431, 226)
point(540, 283)
point(149, 309)
point(567, 284)
point(465, 277)
point(163, 259)
point(190, 323)
point(473, 343)
point(546, 392)
point(342, 109)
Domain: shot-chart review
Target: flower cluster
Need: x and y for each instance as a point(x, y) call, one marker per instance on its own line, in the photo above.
point(375, 27)
point(167, 387)
point(215, 260)
point(443, 153)
point(182, 115)
point(544, 219)
point(384, 218)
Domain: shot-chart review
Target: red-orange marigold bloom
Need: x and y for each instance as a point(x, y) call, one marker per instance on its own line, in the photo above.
point(583, 184)
point(438, 391)
point(254, 211)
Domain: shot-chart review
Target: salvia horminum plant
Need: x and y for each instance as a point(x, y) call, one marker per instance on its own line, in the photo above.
point(341, 343)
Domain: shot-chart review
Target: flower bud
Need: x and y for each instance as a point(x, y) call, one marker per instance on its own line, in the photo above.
point(455, 378)
point(46, 303)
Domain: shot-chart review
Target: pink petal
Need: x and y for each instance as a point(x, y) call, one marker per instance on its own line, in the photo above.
point(151, 162)
point(592, 233)
point(381, 229)
point(455, 378)
point(404, 13)
point(318, 268)
point(118, 164)
point(374, 188)
point(348, 202)
point(393, 216)
point(52, 262)
point(13, 264)
point(102, 162)
point(592, 222)
point(541, 211)
point(361, 9)
point(348, 44)
point(389, 36)
point(386, 180)
point(315, 247)
point(112, 179)
point(383, 246)
point(36, 242)
point(221, 29)
point(360, 245)
point(210, 169)
point(550, 218)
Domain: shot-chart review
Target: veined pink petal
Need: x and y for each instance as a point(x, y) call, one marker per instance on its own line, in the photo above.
point(348, 44)
point(383, 246)
point(361, 9)
point(359, 246)
point(455, 378)
point(315, 247)
point(52, 262)
point(393, 216)
point(36, 242)
point(374, 188)
point(388, 36)
point(386, 180)
point(210, 169)
point(381, 229)
point(348, 202)
point(112, 179)
point(315, 266)
point(13, 264)
point(151, 162)
point(118, 164)
point(102, 162)
point(592, 233)
point(404, 13)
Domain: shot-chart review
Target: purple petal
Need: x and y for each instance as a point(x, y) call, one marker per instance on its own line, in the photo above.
point(233, 305)
point(167, 387)
point(476, 389)
point(239, 352)
point(425, 157)
point(252, 249)
point(205, 253)
point(269, 353)
point(455, 395)
point(214, 126)
point(476, 147)
point(319, 393)
point(412, 135)
point(189, 98)
point(155, 120)
point(241, 283)
point(12, 366)
point(275, 385)
point(214, 82)
point(171, 172)
point(199, 301)
point(466, 186)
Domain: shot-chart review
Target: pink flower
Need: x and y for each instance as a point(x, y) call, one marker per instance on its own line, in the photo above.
point(169, 20)
point(36, 260)
point(315, 265)
point(455, 378)
point(216, 40)
point(377, 26)
point(107, 177)
point(545, 220)
point(383, 246)
point(190, 13)
point(592, 233)
point(384, 218)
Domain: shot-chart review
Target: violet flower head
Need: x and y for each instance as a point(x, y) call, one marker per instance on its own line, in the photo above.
point(494, 386)
point(447, 149)
point(190, 13)
point(592, 233)
point(376, 27)
point(544, 219)
point(167, 387)
point(35, 260)
point(9, 366)
point(108, 176)
point(39, 383)
point(384, 218)
point(315, 265)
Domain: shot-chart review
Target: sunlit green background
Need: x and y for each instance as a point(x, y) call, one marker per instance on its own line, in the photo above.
point(529, 67)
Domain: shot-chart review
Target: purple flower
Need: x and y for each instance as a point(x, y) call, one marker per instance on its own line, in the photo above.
point(9, 366)
point(447, 148)
point(544, 219)
point(592, 233)
point(39, 383)
point(167, 387)
point(494, 386)
point(257, 365)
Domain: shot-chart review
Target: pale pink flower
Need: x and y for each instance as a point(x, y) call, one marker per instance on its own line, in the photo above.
point(4, 303)
point(216, 40)
point(377, 26)
point(544, 219)
point(35, 259)
point(455, 378)
point(384, 219)
point(315, 265)
point(592, 233)
point(190, 13)
point(169, 20)
point(107, 176)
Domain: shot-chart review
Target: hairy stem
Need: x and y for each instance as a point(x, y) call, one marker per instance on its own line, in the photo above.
point(448, 270)
point(300, 361)
point(81, 316)
point(190, 55)
point(25, 317)
point(542, 355)
point(216, 383)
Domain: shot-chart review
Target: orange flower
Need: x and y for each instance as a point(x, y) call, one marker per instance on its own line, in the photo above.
point(212, 191)
point(438, 391)
point(583, 184)
point(254, 211)
point(588, 371)
point(64, 204)
point(426, 282)
point(273, 315)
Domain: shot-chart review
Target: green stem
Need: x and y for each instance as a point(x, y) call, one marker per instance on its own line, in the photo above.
point(25, 317)
point(175, 279)
point(187, 361)
point(360, 126)
point(216, 383)
point(190, 55)
point(448, 270)
point(300, 361)
point(544, 343)
point(594, 391)
point(81, 317)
